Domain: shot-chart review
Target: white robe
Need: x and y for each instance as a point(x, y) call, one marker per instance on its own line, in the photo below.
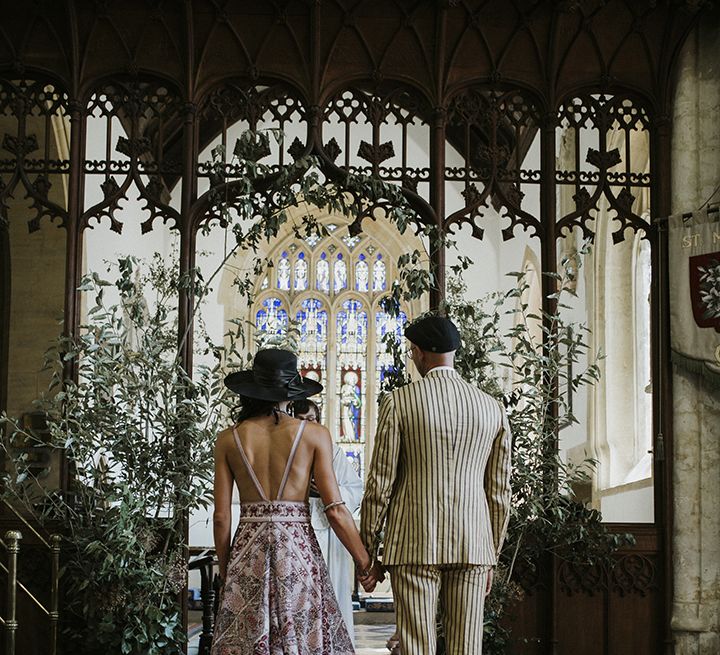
point(339, 563)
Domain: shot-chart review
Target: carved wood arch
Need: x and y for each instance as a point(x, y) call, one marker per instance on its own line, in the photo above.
point(547, 51)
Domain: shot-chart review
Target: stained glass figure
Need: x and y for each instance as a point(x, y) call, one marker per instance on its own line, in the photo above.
point(301, 273)
point(322, 274)
point(272, 319)
point(283, 272)
point(350, 404)
point(340, 274)
point(362, 275)
point(379, 280)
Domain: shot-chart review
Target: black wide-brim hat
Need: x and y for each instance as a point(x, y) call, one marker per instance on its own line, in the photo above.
point(435, 334)
point(274, 376)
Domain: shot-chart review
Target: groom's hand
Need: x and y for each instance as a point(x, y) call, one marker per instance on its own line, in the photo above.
point(375, 574)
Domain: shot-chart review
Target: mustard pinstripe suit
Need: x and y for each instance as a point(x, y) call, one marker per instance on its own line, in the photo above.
point(440, 476)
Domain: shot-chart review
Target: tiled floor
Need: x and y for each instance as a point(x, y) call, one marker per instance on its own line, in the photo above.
point(369, 639)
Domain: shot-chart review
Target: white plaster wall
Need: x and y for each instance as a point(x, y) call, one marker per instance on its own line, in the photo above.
point(696, 405)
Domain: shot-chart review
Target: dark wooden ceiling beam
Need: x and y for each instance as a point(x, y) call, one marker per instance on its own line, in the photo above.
point(552, 49)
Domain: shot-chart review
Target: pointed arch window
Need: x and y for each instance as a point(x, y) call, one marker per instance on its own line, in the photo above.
point(351, 379)
point(312, 323)
point(332, 294)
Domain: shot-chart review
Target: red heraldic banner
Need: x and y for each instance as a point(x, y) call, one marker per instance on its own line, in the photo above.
point(694, 246)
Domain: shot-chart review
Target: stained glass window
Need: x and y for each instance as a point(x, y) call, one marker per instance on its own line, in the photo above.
point(312, 240)
point(352, 323)
point(356, 455)
point(272, 319)
point(334, 345)
point(301, 273)
point(283, 272)
point(312, 319)
point(362, 275)
point(350, 382)
point(379, 278)
point(351, 242)
point(340, 274)
point(386, 324)
point(322, 274)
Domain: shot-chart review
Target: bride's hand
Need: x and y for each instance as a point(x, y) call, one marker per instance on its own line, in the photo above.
point(374, 575)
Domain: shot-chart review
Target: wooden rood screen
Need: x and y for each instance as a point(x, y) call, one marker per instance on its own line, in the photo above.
point(482, 81)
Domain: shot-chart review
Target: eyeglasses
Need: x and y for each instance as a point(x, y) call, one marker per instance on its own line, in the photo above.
point(409, 353)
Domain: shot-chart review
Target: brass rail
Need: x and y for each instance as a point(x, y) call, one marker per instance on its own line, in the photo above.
point(55, 540)
point(13, 548)
point(11, 543)
point(25, 522)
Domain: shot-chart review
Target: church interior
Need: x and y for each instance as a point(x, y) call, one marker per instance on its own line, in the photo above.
point(574, 140)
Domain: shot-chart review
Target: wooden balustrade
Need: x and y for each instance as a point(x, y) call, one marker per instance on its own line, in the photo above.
point(205, 561)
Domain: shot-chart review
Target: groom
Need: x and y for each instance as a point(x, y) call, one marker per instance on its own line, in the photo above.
point(440, 477)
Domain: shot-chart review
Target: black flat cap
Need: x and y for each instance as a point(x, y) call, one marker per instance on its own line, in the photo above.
point(435, 334)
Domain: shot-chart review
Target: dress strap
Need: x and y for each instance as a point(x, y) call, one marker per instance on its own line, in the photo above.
point(249, 468)
point(288, 466)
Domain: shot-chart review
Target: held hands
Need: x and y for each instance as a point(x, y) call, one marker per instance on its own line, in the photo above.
point(370, 576)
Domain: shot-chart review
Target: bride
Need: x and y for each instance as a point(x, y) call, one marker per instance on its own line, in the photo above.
point(276, 596)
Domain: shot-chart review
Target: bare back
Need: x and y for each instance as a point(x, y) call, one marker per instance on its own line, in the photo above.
point(267, 447)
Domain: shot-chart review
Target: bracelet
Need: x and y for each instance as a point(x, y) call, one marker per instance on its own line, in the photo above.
point(333, 504)
point(366, 572)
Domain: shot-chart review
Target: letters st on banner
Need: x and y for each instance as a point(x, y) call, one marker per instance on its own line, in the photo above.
point(695, 289)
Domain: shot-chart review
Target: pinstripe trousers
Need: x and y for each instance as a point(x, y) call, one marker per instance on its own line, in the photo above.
point(460, 590)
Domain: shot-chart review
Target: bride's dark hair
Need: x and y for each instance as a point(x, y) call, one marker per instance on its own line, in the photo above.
point(250, 407)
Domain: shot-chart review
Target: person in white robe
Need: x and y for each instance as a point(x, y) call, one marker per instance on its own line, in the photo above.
point(339, 563)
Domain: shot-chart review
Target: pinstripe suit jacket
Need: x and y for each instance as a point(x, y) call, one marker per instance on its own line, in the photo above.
point(440, 474)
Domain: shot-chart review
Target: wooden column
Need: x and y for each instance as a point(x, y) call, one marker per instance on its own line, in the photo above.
point(437, 158)
point(5, 300)
point(185, 296)
point(661, 372)
point(437, 201)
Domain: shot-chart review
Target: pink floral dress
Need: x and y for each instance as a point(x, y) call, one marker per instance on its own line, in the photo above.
point(277, 598)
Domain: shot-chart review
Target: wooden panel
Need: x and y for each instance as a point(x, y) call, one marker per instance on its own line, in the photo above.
point(600, 611)
point(529, 630)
